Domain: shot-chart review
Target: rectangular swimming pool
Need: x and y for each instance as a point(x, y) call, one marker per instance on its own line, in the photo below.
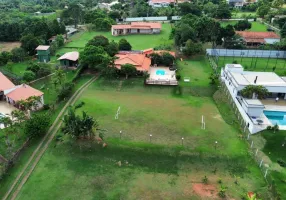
point(276, 117)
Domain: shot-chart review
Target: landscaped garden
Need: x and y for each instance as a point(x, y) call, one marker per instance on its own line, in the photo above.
point(136, 165)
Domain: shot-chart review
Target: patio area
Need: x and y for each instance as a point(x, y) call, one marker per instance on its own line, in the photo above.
point(162, 76)
point(271, 104)
point(6, 108)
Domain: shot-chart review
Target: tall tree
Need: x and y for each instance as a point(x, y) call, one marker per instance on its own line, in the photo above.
point(128, 70)
point(124, 45)
point(74, 12)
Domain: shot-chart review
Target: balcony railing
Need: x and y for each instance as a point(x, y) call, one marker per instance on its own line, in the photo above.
point(161, 82)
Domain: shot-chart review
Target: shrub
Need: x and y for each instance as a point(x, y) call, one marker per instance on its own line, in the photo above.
point(219, 181)
point(269, 127)
point(46, 107)
point(178, 77)
point(65, 91)
point(222, 191)
point(281, 162)
point(29, 76)
point(205, 180)
point(234, 62)
point(38, 125)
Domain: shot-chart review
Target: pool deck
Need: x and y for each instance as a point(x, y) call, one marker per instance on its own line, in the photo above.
point(271, 104)
point(169, 78)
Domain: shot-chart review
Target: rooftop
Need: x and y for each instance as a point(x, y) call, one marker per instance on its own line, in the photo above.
point(257, 35)
point(5, 83)
point(138, 25)
point(73, 56)
point(234, 66)
point(23, 92)
point(42, 48)
point(140, 61)
point(263, 78)
point(253, 102)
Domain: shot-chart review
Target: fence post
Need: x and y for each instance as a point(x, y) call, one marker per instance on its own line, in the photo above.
point(265, 173)
point(251, 144)
point(256, 152)
point(261, 163)
point(248, 135)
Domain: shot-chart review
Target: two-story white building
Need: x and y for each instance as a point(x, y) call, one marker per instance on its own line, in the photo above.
point(252, 110)
point(161, 3)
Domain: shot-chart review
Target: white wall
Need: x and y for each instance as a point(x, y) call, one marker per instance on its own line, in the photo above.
point(271, 40)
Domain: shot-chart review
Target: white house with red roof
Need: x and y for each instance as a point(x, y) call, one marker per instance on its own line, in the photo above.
point(12, 94)
point(258, 38)
point(136, 28)
point(161, 3)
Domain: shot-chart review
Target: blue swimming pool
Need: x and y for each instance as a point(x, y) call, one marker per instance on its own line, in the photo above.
point(276, 117)
point(160, 72)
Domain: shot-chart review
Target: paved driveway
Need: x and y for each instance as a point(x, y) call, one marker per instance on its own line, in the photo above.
point(5, 109)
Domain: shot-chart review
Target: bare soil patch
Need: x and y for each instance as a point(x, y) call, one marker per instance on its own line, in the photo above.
point(205, 191)
point(8, 46)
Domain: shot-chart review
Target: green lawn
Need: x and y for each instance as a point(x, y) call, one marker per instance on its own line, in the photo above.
point(162, 168)
point(257, 64)
point(138, 42)
point(274, 149)
point(243, 15)
point(256, 26)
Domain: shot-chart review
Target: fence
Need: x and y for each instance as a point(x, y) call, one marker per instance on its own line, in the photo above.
point(258, 156)
point(141, 19)
point(246, 53)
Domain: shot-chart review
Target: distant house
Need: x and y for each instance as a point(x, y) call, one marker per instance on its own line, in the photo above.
point(106, 6)
point(236, 3)
point(140, 61)
point(43, 53)
point(69, 59)
point(161, 3)
point(70, 31)
point(258, 38)
point(136, 28)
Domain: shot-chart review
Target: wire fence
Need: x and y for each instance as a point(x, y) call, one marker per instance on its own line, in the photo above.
point(255, 152)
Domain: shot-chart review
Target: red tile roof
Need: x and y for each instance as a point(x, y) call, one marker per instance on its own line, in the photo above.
point(24, 92)
point(257, 35)
point(138, 25)
point(5, 83)
point(140, 61)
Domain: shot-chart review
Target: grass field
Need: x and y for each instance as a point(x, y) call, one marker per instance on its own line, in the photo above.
point(240, 15)
point(160, 168)
point(255, 26)
point(257, 64)
point(138, 42)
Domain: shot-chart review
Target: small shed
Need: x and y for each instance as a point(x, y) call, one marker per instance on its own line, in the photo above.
point(43, 53)
point(253, 107)
point(69, 59)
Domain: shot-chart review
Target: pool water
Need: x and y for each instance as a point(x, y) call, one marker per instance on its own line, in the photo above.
point(276, 117)
point(160, 72)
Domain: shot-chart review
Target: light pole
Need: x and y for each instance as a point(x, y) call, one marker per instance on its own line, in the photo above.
point(150, 137)
point(182, 141)
point(215, 145)
point(120, 132)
